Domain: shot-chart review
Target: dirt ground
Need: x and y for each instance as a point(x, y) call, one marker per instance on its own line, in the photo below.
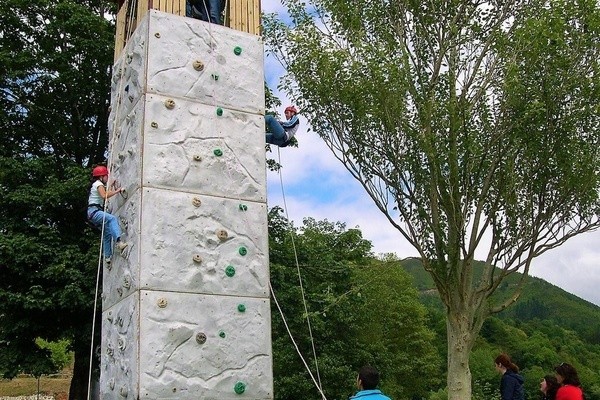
point(56, 388)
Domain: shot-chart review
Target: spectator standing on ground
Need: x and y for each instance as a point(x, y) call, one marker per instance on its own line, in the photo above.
point(570, 388)
point(366, 382)
point(511, 384)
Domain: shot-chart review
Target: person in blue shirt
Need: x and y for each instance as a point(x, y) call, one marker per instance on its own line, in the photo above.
point(280, 133)
point(366, 382)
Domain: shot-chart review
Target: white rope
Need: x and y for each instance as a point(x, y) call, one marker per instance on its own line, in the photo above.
point(118, 97)
point(295, 344)
point(312, 342)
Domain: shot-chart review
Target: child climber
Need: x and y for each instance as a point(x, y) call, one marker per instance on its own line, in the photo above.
point(281, 133)
point(97, 216)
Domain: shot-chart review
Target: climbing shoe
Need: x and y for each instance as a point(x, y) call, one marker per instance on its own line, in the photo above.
point(121, 246)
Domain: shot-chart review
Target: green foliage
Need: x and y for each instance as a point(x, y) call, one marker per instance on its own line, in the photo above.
point(60, 354)
point(545, 329)
point(362, 311)
point(463, 121)
point(56, 57)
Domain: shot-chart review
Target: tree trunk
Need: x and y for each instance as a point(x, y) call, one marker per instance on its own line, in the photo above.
point(460, 341)
point(79, 382)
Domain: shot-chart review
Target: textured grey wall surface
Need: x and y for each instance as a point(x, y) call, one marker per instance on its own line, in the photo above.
point(186, 311)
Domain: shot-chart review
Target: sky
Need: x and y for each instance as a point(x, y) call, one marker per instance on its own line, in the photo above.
point(316, 184)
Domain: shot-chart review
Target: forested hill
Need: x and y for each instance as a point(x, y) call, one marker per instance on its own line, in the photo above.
point(540, 300)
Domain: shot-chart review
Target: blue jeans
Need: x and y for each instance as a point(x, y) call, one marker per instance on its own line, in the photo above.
point(276, 134)
point(112, 230)
point(209, 10)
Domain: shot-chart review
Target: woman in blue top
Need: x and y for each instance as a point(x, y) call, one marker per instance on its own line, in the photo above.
point(281, 133)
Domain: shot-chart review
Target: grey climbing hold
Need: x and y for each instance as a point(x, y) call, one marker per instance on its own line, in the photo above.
point(123, 391)
point(126, 282)
point(154, 124)
point(111, 383)
point(121, 344)
point(120, 291)
point(157, 35)
point(197, 157)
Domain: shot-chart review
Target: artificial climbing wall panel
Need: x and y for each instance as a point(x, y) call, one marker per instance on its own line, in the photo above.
point(203, 244)
point(186, 310)
point(201, 347)
point(191, 59)
point(119, 350)
point(200, 148)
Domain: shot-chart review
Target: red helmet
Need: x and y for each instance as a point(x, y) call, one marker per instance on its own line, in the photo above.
point(100, 170)
point(292, 109)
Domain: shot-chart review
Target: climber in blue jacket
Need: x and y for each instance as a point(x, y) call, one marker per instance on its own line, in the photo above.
point(280, 133)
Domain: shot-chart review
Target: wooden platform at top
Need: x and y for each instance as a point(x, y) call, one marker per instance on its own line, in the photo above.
point(241, 15)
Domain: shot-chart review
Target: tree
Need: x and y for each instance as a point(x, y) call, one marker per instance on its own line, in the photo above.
point(356, 317)
point(471, 124)
point(54, 100)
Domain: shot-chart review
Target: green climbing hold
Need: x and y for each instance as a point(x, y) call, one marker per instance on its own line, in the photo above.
point(243, 251)
point(219, 111)
point(239, 388)
point(230, 271)
point(241, 308)
point(237, 50)
point(222, 334)
point(243, 207)
point(218, 152)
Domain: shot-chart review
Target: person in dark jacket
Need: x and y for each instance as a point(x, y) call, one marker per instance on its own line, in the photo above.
point(511, 384)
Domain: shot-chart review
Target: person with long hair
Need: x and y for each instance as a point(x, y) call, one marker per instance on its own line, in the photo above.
point(570, 388)
point(511, 384)
point(549, 386)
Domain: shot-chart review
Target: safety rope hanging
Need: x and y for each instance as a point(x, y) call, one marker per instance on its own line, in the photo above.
point(110, 163)
point(312, 341)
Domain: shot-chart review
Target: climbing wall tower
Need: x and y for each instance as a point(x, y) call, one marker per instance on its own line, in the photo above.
point(186, 309)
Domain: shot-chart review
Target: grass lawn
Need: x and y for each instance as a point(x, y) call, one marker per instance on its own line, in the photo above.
point(26, 386)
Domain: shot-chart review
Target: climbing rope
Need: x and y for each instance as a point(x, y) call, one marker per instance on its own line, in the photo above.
point(312, 341)
point(130, 15)
point(287, 328)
